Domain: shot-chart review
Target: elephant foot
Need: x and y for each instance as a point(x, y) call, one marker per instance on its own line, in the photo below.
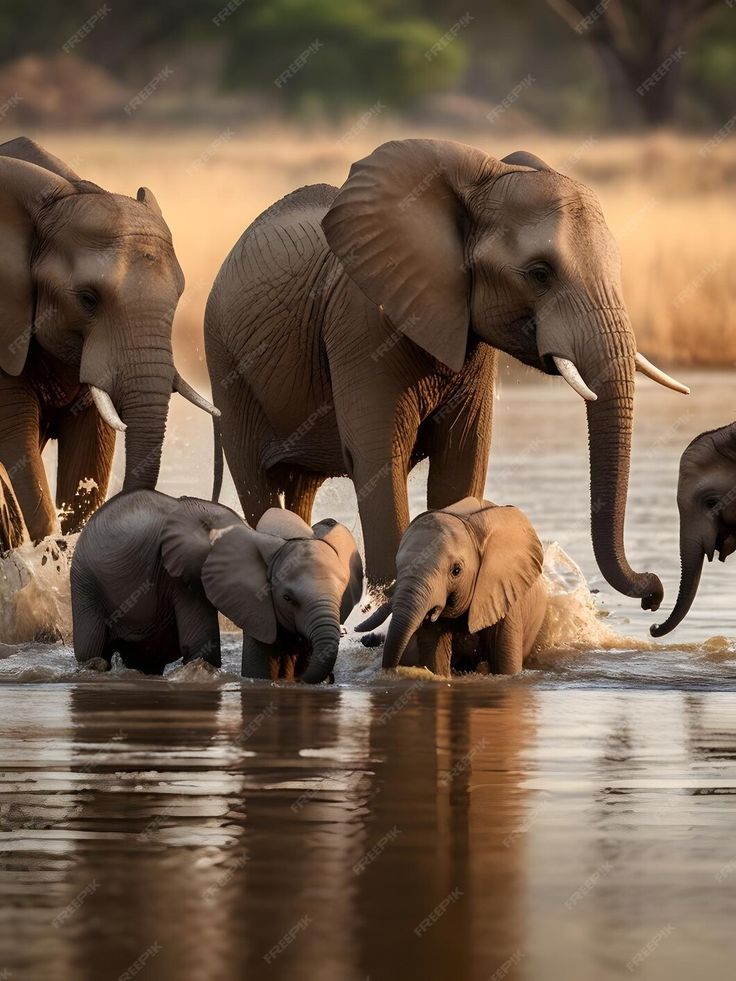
point(372, 640)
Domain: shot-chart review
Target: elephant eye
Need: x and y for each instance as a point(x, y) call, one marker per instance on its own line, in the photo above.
point(456, 569)
point(88, 299)
point(540, 273)
point(712, 503)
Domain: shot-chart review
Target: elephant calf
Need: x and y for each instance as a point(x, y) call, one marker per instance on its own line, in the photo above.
point(469, 581)
point(150, 573)
point(706, 500)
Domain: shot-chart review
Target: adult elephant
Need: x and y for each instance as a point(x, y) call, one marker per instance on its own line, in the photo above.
point(352, 331)
point(89, 283)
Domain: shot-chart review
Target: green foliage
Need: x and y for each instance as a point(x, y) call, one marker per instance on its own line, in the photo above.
point(354, 53)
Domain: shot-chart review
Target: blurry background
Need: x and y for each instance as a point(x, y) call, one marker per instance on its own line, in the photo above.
point(221, 108)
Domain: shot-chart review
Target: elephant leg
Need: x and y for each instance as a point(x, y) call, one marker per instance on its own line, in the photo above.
point(301, 491)
point(86, 448)
point(197, 625)
point(20, 452)
point(458, 438)
point(434, 644)
point(503, 645)
point(91, 636)
point(245, 431)
point(13, 531)
point(259, 660)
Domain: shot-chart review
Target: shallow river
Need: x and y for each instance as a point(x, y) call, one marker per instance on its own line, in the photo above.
point(575, 822)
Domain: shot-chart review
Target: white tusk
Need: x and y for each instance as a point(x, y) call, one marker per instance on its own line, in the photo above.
point(106, 409)
point(186, 390)
point(574, 379)
point(659, 376)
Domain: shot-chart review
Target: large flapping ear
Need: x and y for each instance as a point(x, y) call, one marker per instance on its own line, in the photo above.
point(285, 524)
point(341, 540)
point(511, 561)
point(235, 580)
point(186, 538)
point(398, 227)
point(24, 189)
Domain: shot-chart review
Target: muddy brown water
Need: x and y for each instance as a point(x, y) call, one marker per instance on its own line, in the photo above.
point(576, 821)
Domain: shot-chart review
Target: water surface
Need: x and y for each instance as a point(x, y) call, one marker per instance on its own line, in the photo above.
point(576, 821)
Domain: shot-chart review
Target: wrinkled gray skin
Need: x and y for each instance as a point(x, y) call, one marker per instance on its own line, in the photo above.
point(13, 531)
point(89, 283)
point(706, 500)
point(352, 332)
point(468, 580)
point(150, 572)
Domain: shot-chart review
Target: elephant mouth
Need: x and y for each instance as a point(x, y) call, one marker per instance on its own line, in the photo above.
point(725, 544)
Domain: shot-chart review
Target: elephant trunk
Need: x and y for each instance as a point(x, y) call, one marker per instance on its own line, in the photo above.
point(692, 555)
point(411, 604)
point(323, 633)
point(142, 390)
point(609, 369)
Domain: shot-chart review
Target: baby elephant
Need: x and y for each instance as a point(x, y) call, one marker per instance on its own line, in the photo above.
point(150, 572)
point(469, 580)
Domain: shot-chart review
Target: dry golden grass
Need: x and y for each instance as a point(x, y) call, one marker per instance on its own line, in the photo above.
point(671, 208)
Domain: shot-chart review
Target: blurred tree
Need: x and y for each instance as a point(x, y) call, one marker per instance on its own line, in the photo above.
point(640, 45)
point(338, 54)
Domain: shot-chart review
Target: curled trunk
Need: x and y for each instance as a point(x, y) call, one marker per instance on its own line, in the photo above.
point(691, 557)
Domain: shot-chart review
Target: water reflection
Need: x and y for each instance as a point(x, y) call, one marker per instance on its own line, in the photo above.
point(416, 830)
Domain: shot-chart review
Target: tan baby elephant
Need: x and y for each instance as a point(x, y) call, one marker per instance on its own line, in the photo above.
point(469, 579)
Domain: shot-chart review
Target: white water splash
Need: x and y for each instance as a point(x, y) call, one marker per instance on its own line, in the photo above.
point(35, 599)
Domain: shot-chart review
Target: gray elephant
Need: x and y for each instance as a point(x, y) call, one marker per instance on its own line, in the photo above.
point(89, 283)
point(469, 583)
point(13, 531)
point(150, 572)
point(352, 332)
point(706, 500)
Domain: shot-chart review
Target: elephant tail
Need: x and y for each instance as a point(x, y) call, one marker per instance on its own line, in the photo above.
point(217, 480)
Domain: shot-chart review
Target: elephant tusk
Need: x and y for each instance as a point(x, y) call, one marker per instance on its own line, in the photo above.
point(574, 379)
point(106, 409)
point(191, 395)
point(659, 376)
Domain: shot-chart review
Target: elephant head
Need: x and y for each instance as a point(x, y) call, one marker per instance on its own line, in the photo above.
point(457, 247)
point(472, 558)
point(706, 500)
point(92, 279)
point(282, 574)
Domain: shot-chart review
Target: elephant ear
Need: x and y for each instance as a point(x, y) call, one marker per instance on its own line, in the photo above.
point(341, 540)
point(511, 561)
point(522, 158)
point(468, 505)
point(21, 148)
point(145, 196)
point(24, 189)
point(186, 538)
point(285, 524)
point(398, 227)
point(235, 580)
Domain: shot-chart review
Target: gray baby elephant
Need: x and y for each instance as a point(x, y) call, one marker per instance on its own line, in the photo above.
point(469, 582)
point(150, 573)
